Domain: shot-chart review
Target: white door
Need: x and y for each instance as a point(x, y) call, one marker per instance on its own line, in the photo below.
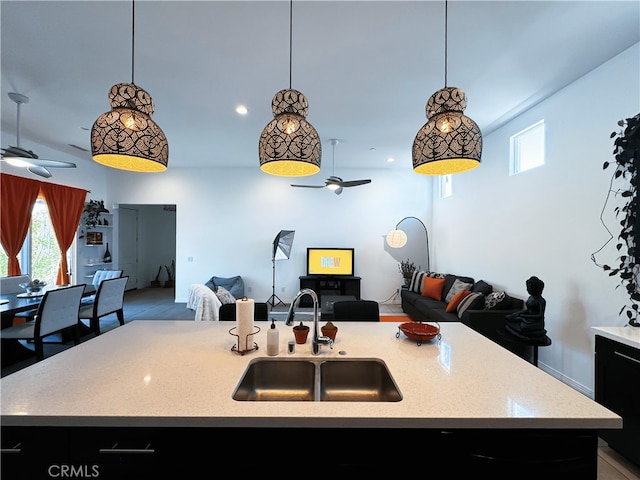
point(128, 245)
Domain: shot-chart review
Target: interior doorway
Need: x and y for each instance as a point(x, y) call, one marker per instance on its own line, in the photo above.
point(147, 244)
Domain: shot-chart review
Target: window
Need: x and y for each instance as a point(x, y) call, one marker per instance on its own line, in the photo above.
point(445, 185)
point(527, 149)
point(40, 254)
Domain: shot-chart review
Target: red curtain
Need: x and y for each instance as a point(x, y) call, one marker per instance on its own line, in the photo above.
point(17, 198)
point(65, 209)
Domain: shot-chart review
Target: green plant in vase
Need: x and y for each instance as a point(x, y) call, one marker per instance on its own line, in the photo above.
point(627, 155)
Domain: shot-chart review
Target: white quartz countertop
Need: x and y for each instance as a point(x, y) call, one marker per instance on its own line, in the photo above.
point(182, 373)
point(627, 335)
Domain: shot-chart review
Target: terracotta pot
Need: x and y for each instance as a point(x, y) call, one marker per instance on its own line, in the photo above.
point(329, 330)
point(301, 332)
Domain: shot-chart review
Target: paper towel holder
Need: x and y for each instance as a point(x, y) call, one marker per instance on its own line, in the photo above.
point(236, 347)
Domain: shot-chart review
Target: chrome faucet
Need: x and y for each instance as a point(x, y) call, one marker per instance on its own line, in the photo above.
point(316, 339)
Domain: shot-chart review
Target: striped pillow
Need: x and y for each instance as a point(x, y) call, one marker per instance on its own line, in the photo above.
point(416, 281)
point(473, 301)
point(418, 277)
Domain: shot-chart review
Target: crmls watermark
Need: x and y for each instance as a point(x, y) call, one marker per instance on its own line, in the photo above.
point(73, 471)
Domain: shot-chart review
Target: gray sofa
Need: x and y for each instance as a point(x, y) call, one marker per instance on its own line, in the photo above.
point(485, 313)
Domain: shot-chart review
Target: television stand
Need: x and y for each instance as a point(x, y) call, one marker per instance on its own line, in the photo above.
point(331, 285)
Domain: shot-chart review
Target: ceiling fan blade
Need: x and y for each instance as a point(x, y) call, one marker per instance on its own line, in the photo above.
point(27, 161)
point(52, 163)
point(355, 183)
point(308, 186)
point(18, 152)
point(43, 172)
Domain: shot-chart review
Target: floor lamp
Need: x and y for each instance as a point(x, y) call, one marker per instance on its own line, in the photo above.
point(281, 251)
point(397, 238)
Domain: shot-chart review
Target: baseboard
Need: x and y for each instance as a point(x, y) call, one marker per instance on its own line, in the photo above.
point(567, 380)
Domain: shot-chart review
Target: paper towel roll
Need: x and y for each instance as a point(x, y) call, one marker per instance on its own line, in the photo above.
point(244, 323)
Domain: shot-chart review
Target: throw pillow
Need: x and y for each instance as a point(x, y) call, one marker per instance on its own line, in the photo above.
point(418, 277)
point(416, 281)
point(450, 280)
point(435, 275)
point(483, 287)
point(497, 301)
point(224, 295)
point(457, 286)
point(457, 298)
point(473, 301)
point(432, 287)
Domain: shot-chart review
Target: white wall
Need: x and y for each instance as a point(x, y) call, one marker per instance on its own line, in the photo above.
point(502, 229)
point(227, 220)
point(546, 221)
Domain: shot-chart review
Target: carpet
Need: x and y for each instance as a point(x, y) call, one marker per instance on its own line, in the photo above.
point(394, 318)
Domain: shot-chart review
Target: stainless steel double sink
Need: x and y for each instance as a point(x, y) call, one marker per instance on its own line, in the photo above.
point(319, 380)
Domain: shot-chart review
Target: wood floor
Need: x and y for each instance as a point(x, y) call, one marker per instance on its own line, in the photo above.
point(159, 304)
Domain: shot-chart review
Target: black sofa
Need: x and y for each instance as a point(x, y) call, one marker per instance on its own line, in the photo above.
point(486, 321)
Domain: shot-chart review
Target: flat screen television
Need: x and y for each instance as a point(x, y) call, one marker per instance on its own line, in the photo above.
point(330, 261)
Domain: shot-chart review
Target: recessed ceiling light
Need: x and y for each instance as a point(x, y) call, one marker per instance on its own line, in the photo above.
point(241, 109)
point(391, 160)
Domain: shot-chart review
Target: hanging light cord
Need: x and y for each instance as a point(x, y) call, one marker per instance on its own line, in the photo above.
point(133, 35)
point(445, 42)
point(290, 39)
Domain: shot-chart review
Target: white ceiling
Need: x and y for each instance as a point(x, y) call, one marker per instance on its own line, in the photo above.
point(366, 67)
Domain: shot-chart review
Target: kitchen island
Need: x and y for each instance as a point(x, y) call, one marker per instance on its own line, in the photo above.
point(157, 395)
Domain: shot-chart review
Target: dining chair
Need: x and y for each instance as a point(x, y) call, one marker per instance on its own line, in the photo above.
point(227, 312)
point(356, 311)
point(108, 299)
point(10, 285)
point(57, 311)
point(98, 277)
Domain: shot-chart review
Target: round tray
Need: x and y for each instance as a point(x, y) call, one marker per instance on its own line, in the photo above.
point(30, 294)
point(421, 332)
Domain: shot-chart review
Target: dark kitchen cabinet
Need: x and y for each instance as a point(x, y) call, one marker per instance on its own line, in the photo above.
point(617, 368)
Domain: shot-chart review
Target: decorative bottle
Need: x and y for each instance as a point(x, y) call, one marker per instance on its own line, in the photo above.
point(107, 255)
point(273, 341)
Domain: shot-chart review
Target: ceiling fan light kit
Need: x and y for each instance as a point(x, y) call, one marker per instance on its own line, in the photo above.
point(335, 183)
point(450, 142)
point(23, 158)
point(126, 137)
point(289, 145)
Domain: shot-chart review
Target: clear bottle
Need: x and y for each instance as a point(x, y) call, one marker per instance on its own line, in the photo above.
point(273, 339)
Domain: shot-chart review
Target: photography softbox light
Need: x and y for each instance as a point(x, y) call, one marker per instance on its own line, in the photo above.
point(281, 251)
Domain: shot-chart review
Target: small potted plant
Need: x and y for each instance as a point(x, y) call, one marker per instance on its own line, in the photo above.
point(300, 332)
point(407, 268)
point(92, 210)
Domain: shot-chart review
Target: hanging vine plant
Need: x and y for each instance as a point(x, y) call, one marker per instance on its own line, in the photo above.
point(627, 161)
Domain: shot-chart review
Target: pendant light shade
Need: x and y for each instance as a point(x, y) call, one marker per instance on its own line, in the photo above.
point(289, 145)
point(126, 137)
point(396, 238)
point(450, 142)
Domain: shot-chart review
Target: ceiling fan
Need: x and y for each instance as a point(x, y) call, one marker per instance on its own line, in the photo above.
point(335, 183)
point(20, 157)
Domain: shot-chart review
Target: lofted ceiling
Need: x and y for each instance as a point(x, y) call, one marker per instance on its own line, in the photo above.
point(366, 67)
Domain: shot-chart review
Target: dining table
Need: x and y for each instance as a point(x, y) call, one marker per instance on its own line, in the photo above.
point(12, 303)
